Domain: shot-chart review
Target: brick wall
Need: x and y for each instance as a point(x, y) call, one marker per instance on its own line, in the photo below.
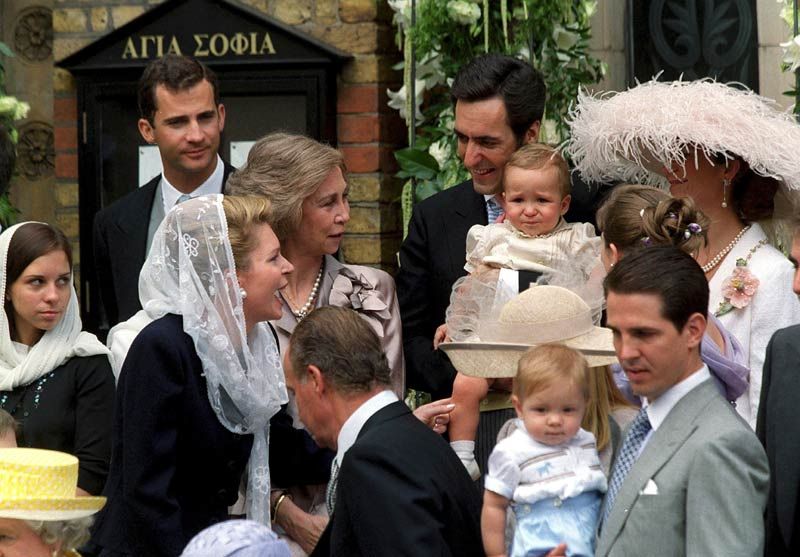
point(368, 131)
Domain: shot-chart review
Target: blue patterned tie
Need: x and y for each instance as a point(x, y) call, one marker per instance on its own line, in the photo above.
point(627, 456)
point(493, 210)
point(330, 492)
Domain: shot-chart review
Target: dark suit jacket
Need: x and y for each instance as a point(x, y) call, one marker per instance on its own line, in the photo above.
point(174, 468)
point(779, 430)
point(402, 491)
point(120, 248)
point(432, 258)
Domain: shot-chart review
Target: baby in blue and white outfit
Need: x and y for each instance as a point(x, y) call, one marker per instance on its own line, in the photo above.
point(548, 469)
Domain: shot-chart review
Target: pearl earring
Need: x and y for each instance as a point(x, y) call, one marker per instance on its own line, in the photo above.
point(725, 184)
point(244, 292)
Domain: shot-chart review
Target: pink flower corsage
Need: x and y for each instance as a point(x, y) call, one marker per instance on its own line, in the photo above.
point(739, 288)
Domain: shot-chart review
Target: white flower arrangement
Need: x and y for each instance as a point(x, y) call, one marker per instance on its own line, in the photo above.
point(465, 13)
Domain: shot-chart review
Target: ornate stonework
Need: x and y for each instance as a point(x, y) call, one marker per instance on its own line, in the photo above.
point(35, 151)
point(33, 34)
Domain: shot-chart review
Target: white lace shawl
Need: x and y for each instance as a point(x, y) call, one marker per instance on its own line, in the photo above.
point(190, 271)
point(62, 342)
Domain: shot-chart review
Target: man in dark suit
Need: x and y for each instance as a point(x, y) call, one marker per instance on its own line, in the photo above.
point(779, 430)
point(690, 477)
point(180, 113)
point(499, 103)
point(396, 487)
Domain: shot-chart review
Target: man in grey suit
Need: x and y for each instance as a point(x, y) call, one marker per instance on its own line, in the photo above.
point(779, 430)
point(691, 477)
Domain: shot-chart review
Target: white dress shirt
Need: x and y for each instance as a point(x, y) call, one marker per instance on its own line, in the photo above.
point(659, 409)
point(213, 184)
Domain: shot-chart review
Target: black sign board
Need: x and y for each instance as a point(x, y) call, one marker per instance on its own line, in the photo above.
point(693, 39)
point(270, 77)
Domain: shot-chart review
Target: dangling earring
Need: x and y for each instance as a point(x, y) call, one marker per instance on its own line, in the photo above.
point(244, 292)
point(725, 184)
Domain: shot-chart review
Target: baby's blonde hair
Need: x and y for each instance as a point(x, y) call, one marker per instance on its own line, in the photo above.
point(546, 364)
point(538, 156)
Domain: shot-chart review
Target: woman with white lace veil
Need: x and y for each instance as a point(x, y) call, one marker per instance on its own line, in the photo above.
point(200, 380)
point(54, 378)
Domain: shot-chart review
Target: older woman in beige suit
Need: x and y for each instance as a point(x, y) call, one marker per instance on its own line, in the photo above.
point(306, 183)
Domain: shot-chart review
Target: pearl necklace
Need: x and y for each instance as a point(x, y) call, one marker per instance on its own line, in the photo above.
point(714, 261)
point(303, 311)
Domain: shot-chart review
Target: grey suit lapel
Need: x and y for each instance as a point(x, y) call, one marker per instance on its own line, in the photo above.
point(670, 436)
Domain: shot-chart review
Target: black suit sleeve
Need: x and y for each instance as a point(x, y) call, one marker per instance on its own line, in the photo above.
point(94, 413)
point(426, 369)
point(102, 270)
point(777, 429)
point(294, 457)
point(381, 505)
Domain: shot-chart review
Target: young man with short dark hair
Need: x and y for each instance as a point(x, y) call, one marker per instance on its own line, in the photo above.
point(182, 115)
point(499, 104)
point(690, 477)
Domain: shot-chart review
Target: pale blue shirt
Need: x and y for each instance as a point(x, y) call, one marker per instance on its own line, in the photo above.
point(213, 184)
point(659, 409)
point(352, 427)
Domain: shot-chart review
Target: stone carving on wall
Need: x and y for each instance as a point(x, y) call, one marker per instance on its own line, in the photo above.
point(36, 151)
point(33, 34)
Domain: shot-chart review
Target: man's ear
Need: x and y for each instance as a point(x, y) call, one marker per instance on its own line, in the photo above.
point(315, 375)
point(221, 115)
point(146, 129)
point(532, 133)
point(695, 328)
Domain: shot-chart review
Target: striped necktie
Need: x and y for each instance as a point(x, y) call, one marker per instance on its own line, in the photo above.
point(493, 210)
point(330, 492)
point(627, 456)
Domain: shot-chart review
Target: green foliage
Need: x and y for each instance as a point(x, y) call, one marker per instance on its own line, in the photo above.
point(11, 110)
point(552, 34)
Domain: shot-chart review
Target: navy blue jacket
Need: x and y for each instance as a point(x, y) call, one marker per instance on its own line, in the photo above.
point(174, 468)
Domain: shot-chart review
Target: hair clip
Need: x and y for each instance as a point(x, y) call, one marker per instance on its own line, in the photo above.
point(672, 215)
point(641, 213)
point(692, 229)
point(647, 241)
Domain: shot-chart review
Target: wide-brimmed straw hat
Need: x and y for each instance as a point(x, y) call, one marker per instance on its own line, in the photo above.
point(539, 315)
point(628, 136)
point(37, 484)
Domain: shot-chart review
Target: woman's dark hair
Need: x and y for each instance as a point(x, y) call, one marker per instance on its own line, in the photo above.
point(520, 85)
point(753, 196)
point(634, 215)
point(28, 243)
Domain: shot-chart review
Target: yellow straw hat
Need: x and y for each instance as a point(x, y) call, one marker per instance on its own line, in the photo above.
point(539, 315)
point(36, 484)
